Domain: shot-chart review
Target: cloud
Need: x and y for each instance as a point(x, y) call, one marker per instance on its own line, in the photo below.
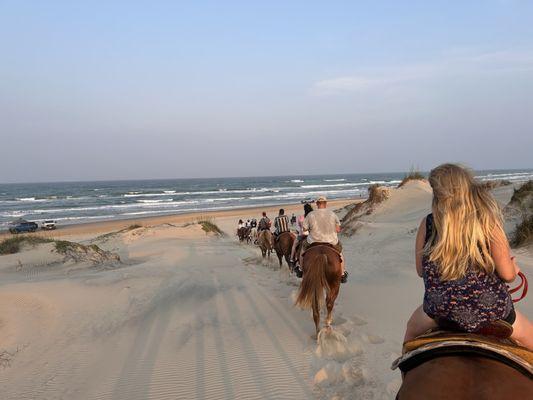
point(453, 65)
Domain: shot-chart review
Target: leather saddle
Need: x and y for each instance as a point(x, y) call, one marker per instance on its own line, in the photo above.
point(319, 244)
point(494, 344)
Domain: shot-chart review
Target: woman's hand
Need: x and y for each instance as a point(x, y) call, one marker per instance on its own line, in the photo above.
point(516, 267)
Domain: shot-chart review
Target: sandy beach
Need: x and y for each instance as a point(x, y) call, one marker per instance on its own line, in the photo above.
point(187, 314)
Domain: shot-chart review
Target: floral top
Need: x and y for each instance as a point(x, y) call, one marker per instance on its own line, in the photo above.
point(469, 303)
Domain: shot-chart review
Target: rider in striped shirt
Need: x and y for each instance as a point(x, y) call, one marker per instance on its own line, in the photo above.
point(281, 224)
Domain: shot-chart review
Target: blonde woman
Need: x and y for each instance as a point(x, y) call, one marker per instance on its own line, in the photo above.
point(463, 256)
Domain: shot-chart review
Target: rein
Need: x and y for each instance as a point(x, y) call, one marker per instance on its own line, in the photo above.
point(523, 285)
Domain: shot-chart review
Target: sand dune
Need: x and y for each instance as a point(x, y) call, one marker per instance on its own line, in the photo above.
point(187, 315)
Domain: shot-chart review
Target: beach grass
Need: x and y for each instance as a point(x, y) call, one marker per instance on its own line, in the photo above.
point(413, 175)
point(13, 245)
point(209, 226)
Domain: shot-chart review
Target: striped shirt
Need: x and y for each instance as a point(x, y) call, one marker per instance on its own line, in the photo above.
point(281, 224)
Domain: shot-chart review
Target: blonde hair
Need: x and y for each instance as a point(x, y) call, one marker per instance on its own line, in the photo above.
point(466, 218)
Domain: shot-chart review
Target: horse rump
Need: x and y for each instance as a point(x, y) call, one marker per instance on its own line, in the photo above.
point(314, 280)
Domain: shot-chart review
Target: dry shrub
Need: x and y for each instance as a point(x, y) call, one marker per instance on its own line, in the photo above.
point(523, 234)
point(376, 195)
point(496, 183)
point(522, 202)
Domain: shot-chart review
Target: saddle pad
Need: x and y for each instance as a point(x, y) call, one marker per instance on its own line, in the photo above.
point(432, 350)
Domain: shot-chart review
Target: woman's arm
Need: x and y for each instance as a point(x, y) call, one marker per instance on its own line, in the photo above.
point(506, 267)
point(419, 246)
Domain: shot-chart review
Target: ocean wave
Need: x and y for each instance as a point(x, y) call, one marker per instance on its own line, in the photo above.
point(349, 184)
point(335, 180)
point(202, 193)
point(154, 201)
point(296, 180)
point(332, 185)
point(514, 176)
point(28, 199)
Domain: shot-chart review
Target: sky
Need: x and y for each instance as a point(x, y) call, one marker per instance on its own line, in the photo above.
point(106, 90)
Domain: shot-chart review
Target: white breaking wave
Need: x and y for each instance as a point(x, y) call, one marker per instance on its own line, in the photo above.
point(515, 176)
point(154, 201)
point(29, 199)
point(334, 180)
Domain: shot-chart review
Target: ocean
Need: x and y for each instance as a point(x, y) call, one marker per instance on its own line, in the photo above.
point(77, 202)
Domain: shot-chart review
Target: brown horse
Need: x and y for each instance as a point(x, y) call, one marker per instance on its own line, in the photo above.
point(264, 240)
point(283, 247)
point(322, 272)
point(460, 378)
point(244, 233)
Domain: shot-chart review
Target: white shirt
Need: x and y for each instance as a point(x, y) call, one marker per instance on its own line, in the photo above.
point(322, 226)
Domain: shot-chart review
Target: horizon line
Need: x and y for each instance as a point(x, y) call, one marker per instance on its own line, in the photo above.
point(244, 177)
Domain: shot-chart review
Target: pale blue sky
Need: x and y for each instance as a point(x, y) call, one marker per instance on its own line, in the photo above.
point(114, 90)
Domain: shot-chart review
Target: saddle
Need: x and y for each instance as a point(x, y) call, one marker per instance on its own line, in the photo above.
point(441, 343)
point(319, 244)
point(281, 234)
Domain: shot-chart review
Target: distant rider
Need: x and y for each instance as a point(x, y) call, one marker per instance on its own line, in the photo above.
point(281, 224)
point(323, 226)
point(293, 219)
point(263, 225)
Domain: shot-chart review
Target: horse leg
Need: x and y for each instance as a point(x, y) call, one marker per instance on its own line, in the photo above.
point(316, 314)
point(331, 296)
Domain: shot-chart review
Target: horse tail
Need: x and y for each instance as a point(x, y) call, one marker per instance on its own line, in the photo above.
point(314, 282)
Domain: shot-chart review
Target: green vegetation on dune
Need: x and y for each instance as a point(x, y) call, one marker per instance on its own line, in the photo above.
point(413, 175)
point(71, 250)
point(13, 245)
point(208, 225)
point(109, 235)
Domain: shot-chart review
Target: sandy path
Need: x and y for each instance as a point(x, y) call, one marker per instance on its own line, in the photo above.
point(205, 328)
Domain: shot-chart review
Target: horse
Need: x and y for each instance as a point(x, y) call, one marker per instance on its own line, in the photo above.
point(445, 365)
point(264, 240)
point(253, 234)
point(322, 272)
point(283, 247)
point(455, 377)
point(244, 234)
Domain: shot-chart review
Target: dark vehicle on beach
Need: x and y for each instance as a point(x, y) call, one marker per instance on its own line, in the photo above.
point(23, 226)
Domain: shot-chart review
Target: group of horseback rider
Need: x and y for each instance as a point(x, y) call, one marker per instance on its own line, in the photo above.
point(313, 226)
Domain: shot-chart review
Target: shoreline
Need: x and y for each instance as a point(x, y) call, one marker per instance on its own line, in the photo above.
point(113, 225)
